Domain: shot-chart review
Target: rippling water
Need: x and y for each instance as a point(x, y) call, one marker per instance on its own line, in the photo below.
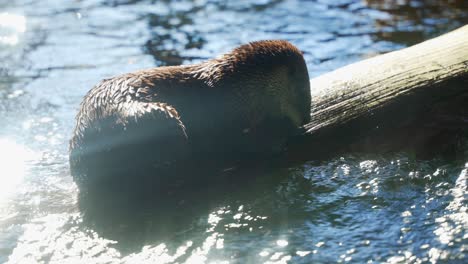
point(350, 208)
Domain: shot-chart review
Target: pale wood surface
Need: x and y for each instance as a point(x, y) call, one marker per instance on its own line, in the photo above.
point(363, 87)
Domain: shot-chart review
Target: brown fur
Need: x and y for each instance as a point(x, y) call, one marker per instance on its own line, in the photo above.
point(248, 101)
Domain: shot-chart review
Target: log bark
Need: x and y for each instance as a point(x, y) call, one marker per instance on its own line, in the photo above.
point(400, 94)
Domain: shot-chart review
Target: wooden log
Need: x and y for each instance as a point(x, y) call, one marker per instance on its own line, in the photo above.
point(394, 95)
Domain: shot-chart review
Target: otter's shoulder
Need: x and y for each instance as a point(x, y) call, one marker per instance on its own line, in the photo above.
point(126, 92)
point(121, 101)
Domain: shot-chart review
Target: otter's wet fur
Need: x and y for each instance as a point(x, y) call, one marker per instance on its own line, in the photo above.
point(244, 104)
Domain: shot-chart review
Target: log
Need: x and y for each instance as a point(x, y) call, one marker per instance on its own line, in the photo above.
point(395, 95)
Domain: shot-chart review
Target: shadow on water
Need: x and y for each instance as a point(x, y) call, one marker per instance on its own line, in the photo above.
point(307, 204)
point(148, 214)
point(156, 214)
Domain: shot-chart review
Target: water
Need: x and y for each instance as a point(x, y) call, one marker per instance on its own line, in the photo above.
point(385, 208)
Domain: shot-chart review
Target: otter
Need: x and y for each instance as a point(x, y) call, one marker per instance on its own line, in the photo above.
point(244, 104)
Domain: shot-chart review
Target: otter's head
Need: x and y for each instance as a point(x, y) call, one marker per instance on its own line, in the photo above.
point(272, 81)
point(270, 86)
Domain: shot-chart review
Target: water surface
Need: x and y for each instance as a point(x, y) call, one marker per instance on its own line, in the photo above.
point(376, 208)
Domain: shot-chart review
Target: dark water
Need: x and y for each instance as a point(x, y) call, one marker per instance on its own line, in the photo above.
point(391, 208)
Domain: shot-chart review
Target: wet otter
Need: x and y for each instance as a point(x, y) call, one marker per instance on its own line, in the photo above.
point(243, 104)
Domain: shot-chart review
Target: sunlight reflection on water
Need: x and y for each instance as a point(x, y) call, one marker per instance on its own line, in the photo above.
point(14, 164)
point(452, 226)
point(11, 26)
